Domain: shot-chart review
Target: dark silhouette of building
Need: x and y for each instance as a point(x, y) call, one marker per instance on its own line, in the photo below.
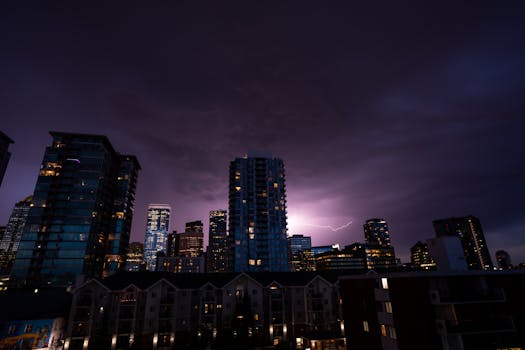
point(469, 230)
point(219, 245)
point(503, 259)
point(420, 257)
point(172, 245)
point(5, 155)
point(10, 240)
point(435, 311)
point(257, 214)
point(82, 207)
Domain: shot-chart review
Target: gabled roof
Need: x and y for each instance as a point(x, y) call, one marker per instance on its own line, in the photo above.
point(145, 279)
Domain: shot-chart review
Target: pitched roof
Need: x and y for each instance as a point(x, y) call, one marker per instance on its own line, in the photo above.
point(145, 279)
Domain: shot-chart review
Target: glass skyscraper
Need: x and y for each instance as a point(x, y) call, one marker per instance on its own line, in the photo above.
point(12, 235)
point(469, 231)
point(218, 253)
point(81, 212)
point(257, 214)
point(379, 251)
point(157, 228)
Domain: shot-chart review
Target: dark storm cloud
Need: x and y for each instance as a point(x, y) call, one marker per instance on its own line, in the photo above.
point(408, 112)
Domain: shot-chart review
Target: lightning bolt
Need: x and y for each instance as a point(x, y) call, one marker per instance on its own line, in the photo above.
point(333, 229)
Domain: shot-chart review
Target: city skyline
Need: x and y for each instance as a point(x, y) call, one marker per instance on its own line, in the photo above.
point(411, 123)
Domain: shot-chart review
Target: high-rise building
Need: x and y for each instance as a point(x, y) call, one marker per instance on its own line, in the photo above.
point(300, 253)
point(12, 235)
point(135, 257)
point(81, 212)
point(219, 247)
point(191, 244)
point(185, 251)
point(157, 228)
point(118, 240)
point(379, 251)
point(194, 226)
point(257, 214)
point(5, 141)
point(469, 230)
point(376, 232)
point(503, 259)
point(172, 245)
point(297, 243)
point(420, 257)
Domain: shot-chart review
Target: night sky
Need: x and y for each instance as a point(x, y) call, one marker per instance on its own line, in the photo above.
point(408, 112)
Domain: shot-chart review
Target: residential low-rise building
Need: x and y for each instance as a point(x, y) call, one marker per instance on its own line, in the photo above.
point(162, 310)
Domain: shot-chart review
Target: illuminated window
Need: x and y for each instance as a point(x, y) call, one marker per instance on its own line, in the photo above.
point(275, 185)
point(237, 188)
point(383, 330)
point(256, 317)
point(252, 262)
point(252, 236)
point(365, 326)
point(384, 283)
point(392, 332)
point(120, 215)
point(251, 229)
point(388, 307)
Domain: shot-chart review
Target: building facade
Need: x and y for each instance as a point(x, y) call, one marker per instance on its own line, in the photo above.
point(297, 243)
point(352, 257)
point(135, 257)
point(118, 240)
point(5, 155)
point(194, 226)
point(218, 254)
point(157, 228)
point(203, 311)
point(79, 214)
point(379, 251)
point(191, 244)
point(10, 240)
point(469, 230)
point(420, 257)
point(436, 311)
point(257, 214)
point(300, 253)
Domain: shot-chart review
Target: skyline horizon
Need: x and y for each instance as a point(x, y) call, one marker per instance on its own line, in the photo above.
point(411, 113)
point(297, 223)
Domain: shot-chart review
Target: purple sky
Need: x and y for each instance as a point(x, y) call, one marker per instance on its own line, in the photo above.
point(410, 113)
